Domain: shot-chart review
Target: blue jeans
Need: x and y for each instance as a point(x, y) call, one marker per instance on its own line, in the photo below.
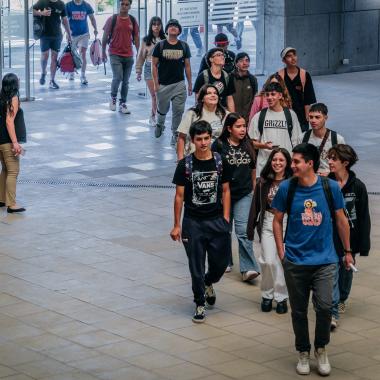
point(239, 215)
point(194, 33)
point(121, 71)
point(342, 287)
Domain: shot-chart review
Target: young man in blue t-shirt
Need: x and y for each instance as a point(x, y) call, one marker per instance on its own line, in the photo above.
point(309, 257)
point(77, 12)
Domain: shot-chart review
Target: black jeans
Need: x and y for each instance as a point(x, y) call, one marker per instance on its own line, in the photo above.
point(201, 236)
point(300, 280)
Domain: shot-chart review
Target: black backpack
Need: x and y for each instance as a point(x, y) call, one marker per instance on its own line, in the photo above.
point(330, 202)
point(288, 118)
point(114, 19)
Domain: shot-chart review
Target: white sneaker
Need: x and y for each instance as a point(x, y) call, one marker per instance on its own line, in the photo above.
point(152, 120)
point(228, 269)
point(334, 324)
point(303, 366)
point(112, 104)
point(124, 109)
point(249, 275)
point(323, 364)
point(71, 76)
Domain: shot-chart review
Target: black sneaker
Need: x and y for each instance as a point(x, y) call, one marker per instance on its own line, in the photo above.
point(53, 85)
point(43, 79)
point(266, 305)
point(282, 307)
point(210, 295)
point(199, 315)
point(158, 131)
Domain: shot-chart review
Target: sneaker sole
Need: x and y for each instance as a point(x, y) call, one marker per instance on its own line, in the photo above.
point(198, 320)
point(251, 277)
point(303, 373)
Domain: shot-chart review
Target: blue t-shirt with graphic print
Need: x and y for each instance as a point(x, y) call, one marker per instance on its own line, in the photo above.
point(309, 239)
point(77, 15)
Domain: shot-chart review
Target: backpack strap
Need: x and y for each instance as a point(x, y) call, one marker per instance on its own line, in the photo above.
point(188, 166)
point(261, 101)
point(253, 83)
point(281, 73)
point(303, 78)
point(293, 182)
point(205, 76)
point(226, 77)
point(113, 24)
point(289, 121)
point(262, 115)
point(218, 163)
point(329, 196)
point(306, 136)
point(334, 138)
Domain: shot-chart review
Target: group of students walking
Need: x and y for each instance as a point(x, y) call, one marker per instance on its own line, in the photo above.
point(279, 170)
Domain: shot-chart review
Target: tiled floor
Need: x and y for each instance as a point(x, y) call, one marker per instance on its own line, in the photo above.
point(91, 286)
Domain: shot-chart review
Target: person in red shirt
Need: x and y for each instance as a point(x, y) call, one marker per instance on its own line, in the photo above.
point(120, 32)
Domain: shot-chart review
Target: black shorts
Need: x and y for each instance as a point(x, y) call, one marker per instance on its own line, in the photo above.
point(53, 43)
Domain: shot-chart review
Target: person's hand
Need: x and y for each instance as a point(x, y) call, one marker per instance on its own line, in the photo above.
point(268, 145)
point(348, 259)
point(16, 149)
point(104, 57)
point(175, 234)
point(189, 91)
point(138, 77)
point(46, 12)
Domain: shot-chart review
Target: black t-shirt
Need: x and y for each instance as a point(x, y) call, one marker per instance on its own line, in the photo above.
point(203, 191)
point(225, 89)
point(241, 166)
point(52, 24)
point(300, 98)
point(229, 62)
point(171, 61)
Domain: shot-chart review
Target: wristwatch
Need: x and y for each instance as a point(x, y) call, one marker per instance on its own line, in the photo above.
point(347, 250)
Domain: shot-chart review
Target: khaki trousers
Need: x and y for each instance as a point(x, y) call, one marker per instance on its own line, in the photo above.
point(9, 172)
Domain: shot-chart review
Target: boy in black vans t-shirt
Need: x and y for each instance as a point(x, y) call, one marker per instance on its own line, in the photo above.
point(202, 185)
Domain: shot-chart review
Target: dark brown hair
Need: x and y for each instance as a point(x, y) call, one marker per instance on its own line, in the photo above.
point(268, 173)
point(344, 153)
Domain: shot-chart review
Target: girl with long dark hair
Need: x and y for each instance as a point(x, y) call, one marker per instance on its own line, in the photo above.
point(155, 35)
point(207, 108)
point(273, 286)
point(236, 148)
point(10, 115)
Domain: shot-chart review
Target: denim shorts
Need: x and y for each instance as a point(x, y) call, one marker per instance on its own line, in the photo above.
point(53, 43)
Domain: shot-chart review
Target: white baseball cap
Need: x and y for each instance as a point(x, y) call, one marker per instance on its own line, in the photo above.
point(286, 51)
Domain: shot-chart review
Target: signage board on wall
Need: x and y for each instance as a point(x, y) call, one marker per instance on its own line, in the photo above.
point(188, 13)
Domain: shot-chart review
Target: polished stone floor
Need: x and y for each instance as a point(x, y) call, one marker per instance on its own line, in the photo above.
point(91, 286)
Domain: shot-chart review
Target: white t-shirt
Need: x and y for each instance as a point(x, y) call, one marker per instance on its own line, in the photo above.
point(275, 130)
point(324, 163)
point(189, 117)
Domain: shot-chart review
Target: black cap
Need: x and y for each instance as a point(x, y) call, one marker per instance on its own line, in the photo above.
point(242, 55)
point(174, 22)
point(221, 39)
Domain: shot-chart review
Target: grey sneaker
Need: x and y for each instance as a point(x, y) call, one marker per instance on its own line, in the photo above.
point(53, 85)
point(124, 109)
point(199, 315)
point(112, 104)
point(303, 366)
point(210, 295)
point(158, 131)
point(323, 364)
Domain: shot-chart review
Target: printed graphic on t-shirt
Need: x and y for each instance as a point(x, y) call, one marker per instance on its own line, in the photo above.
point(205, 187)
point(272, 193)
point(237, 157)
point(219, 86)
point(310, 217)
point(350, 199)
point(78, 15)
point(276, 124)
point(172, 54)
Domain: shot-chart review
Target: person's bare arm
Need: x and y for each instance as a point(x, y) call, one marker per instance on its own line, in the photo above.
point(230, 103)
point(307, 108)
point(344, 234)
point(155, 73)
point(175, 233)
point(65, 23)
point(226, 199)
point(181, 146)
point(93, 23)
point(188, 76)
point(10, 123)
point(106, 33)
point(136, 42)
point(278, 221)
point(262, 145)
